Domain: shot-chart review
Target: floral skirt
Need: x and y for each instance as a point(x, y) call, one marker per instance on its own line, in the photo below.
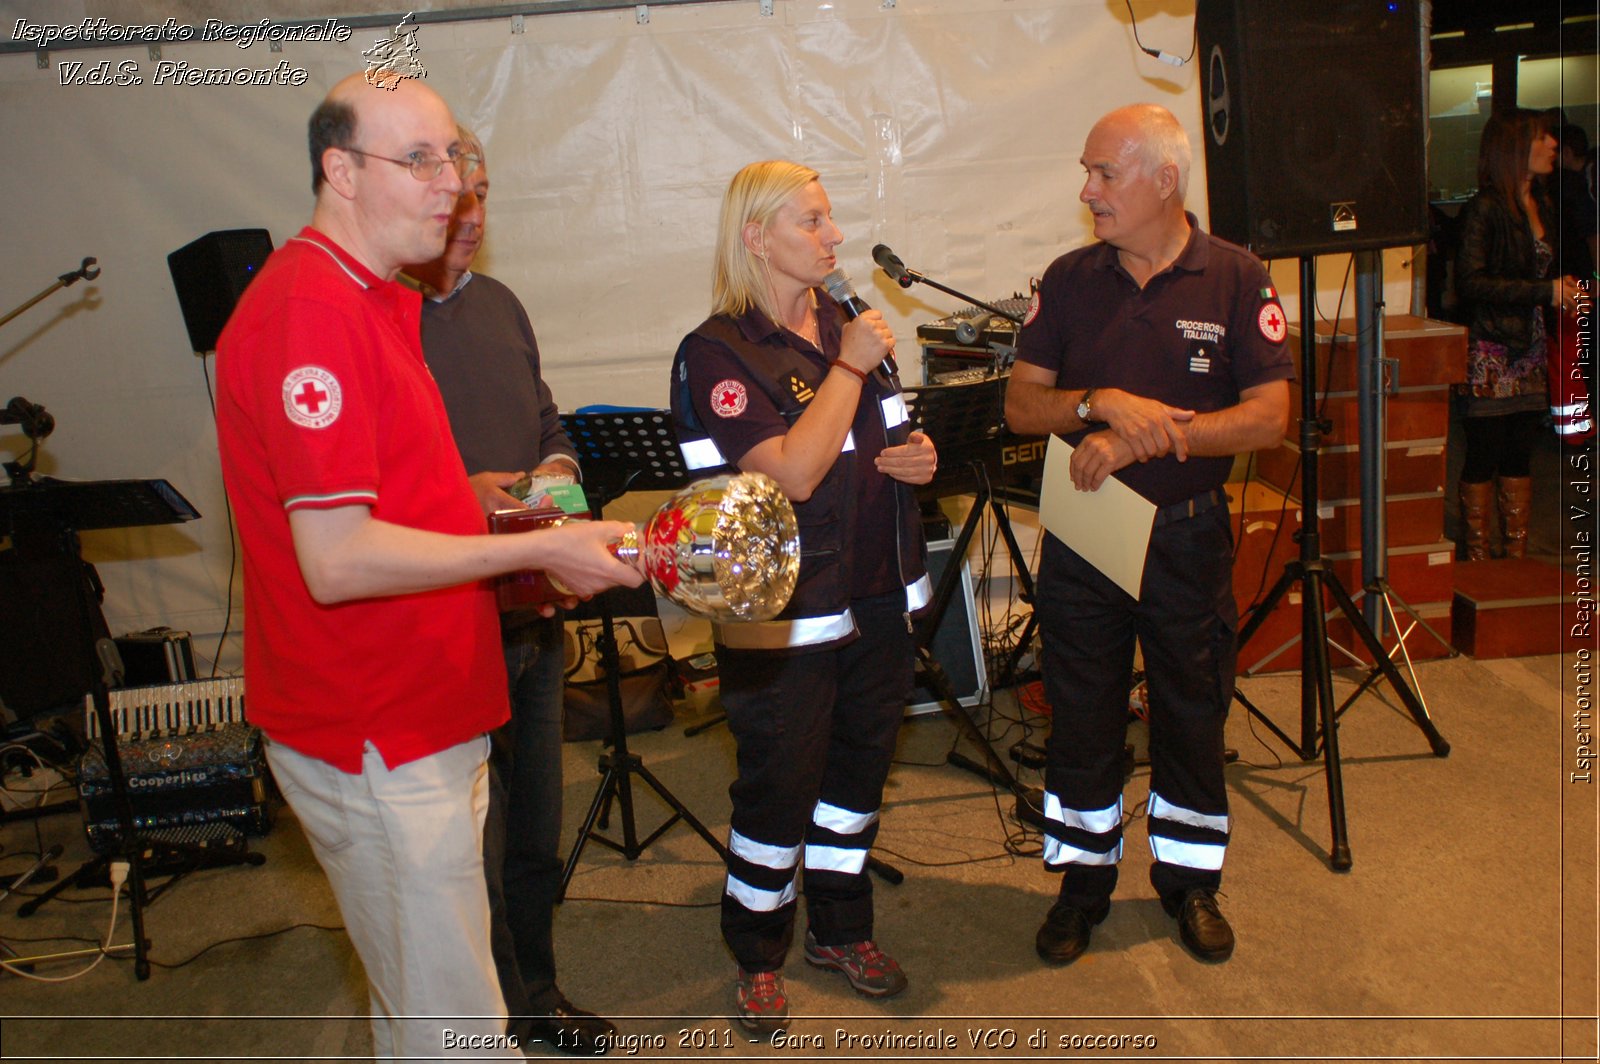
point(1495, 371)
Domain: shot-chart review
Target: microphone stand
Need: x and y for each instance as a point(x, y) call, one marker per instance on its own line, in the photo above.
point(905, 277)
point(87, 270)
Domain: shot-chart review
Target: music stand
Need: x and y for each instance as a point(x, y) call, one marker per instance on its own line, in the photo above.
point(1313, 576)
point(43, 512)
point(621, 451)
point(964, 417)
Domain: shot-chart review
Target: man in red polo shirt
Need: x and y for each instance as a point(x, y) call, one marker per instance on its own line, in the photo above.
point(371, 637)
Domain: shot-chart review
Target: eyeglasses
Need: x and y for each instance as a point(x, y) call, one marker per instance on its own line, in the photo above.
point(425, 165)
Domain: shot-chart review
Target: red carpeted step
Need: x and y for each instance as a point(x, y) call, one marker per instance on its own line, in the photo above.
point(1513, 607)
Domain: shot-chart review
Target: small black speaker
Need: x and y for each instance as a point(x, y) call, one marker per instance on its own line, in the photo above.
point(1314, 123)
point(956, 644)
point(211, 273)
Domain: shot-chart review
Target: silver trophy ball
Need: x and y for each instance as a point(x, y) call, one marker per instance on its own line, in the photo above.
point(726, 548)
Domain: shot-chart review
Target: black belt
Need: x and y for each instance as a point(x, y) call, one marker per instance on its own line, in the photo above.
point(1182, 511)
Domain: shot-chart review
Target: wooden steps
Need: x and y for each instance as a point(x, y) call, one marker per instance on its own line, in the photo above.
point(1512, 607)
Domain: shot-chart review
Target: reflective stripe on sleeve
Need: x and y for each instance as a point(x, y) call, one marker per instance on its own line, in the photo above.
point(701, 454)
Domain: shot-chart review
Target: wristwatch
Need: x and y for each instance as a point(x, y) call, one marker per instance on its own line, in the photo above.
point(1085, 411)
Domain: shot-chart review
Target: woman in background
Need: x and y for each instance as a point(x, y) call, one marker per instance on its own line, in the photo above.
point(776, 381)
point(1503, 271)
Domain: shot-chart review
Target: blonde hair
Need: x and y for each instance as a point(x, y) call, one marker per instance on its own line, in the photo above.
point(755, 194)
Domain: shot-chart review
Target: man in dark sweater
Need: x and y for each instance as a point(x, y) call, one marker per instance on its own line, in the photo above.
point(479, 344)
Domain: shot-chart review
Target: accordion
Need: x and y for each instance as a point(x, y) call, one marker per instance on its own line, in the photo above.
point(189, 758)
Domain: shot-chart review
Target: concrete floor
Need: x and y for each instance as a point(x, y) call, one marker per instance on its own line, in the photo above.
point(1465, 929)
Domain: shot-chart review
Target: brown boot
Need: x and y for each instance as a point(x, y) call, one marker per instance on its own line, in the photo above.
point(1475, 503)
point(1515, 498)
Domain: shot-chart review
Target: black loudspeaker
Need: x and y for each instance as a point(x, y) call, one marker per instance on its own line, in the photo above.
point(211, 273)
point(1315, 123)
point(956, 645)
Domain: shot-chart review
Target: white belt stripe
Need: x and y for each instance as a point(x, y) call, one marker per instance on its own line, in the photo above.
point(1207, 855)
point(1098, 821)
point(758, 900)
point(761, 853)
point(1574, 427)
point(835, 859)
point(919, 594)
point(775, 635)
point(842, 821)
point(1160, 807)
point(701, 454)
point(1058, 852)
point(1569, 409)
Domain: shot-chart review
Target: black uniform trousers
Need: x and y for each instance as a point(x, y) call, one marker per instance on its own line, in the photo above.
point(1186, 622)
point(816, 733)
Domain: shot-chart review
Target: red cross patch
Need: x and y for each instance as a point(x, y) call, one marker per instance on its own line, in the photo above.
point(728, 398)
point(1033, 310)
point(1274, 326)
point(312, 397)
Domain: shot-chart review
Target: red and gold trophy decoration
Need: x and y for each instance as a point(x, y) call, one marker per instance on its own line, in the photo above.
point(726, 548)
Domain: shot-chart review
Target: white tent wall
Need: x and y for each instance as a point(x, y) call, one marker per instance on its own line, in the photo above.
point(948, 129)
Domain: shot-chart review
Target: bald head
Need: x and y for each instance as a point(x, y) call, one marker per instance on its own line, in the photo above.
point(371, 198)
point(1136, 166)
point(1151, 134)
point(334, 123)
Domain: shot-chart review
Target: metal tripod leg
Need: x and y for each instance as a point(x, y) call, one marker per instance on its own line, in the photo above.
point(1388, 598)
point(617, 769)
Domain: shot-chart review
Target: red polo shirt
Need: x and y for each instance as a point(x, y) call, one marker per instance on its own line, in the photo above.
point(323, 400)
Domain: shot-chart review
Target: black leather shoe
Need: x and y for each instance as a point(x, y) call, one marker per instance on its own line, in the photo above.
point(1203, 928)
point(566, 1028)
point(1064, 935)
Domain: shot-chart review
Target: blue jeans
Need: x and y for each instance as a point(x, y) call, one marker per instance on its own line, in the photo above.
point(521, 861)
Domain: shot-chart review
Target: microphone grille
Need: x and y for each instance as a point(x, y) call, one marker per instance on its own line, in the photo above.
point(838, 286)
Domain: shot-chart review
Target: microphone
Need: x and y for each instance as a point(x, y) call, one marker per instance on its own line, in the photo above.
point(837, 283)
point(969, 329)
point(892, 265)
point(35, 420)
point(844, 293)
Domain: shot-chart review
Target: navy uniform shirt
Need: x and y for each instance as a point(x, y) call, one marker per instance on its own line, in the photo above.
point(1197, 334)
point(738, 414)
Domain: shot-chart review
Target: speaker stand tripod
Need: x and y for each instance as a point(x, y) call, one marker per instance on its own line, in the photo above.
point(1318, 717)
point(1378, 603)
point(618, 451)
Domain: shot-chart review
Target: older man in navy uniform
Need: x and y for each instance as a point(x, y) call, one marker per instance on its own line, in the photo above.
point(1159, 353)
